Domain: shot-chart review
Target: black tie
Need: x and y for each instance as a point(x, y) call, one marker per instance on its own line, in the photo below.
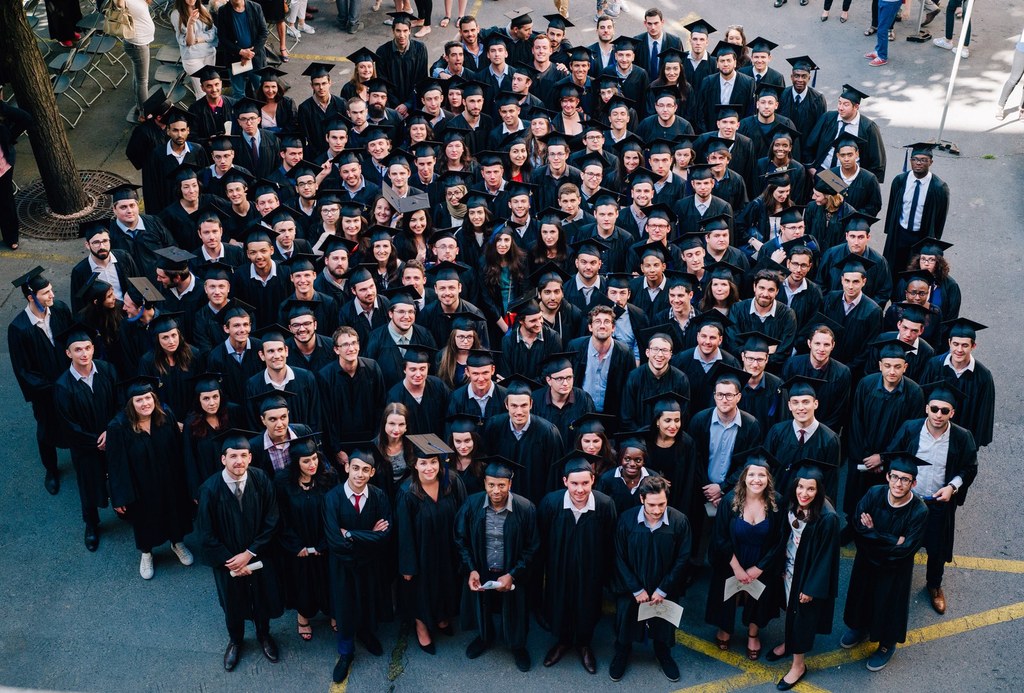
point(255, 152)
point(654, 58)
point(913, 206)
point(802, 434)
point(835, 150)
point(757, 81)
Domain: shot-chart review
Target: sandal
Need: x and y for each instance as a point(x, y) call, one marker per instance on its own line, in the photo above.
point(871, 31)
point(753, 653)
point(376, 6)
point(423, 31)
point(305, 630)
point(284, 54)
point(334, 625)
point(843, 17)
point(444, 22)
point(723, 643)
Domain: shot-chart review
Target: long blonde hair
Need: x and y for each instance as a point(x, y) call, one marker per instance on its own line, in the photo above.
point(739, 498)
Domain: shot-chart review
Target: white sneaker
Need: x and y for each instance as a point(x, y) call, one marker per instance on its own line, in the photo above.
point(146, 566)
point(183, 554)
point(943, 43)
point(307, 28)
point(1000, 112)
point(965, 53)
point(623, 7)
point(292, 31)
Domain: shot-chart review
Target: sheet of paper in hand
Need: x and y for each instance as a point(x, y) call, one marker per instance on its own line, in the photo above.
point(666, 610)
point(255, 565)
point(493, 585)
point(733, 586)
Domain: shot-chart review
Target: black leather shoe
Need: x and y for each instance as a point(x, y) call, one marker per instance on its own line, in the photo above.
point(588, 659)
point(448, 630)
point(269, 649)
point(668, 665)
point(476, 648)
point(52, 483)
point(371, 643)
point(522, 658)
point(231, 655)
point(784, 685)
point(618, 666)
point(341, 668)
point(555, 654)
point(770, 656)
point(92, 537)
point(429, 648)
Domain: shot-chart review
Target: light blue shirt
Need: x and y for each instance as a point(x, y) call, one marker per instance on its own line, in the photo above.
point(624, 333)
point(595, 381)
point(723, 440)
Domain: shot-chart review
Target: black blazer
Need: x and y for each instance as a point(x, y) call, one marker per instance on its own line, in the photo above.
point(228, 47)
point(643, 56)
point(80, 273)
point(268, 149)
point(709, 95)
point(13, 122)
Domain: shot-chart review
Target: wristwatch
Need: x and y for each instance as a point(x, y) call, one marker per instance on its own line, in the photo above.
point(955, 489)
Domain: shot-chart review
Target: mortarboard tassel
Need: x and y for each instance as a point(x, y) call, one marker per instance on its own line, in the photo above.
point(814, 79)
point(906, 157)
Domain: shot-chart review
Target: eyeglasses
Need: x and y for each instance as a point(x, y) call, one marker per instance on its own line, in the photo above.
point(659, 350)
point(727, 396)
point(560, 378)
point(755, 359)
point(901, 480)
point(916, 293)
point(301, 325)
point(939, 410)
point(247, 119)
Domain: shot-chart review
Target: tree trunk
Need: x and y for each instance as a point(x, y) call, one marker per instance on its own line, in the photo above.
point(22, 63)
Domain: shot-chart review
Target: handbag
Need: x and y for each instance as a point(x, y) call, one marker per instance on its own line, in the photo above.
point(118, 21)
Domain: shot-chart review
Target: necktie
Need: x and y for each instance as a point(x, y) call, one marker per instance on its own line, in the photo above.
point(835, 153)
point(802, 440)
point(913, 206)
point(238, 355)
point(796, 99)
point(654, 58)
point(757, 80)
point(238, 492)
point(255, 151)
point(355, 500)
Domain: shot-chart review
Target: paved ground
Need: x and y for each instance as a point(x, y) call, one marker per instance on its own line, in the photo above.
point(81, 621)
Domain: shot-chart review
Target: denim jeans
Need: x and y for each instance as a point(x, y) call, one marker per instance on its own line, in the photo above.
point(886, 18)
point(239, 81)
point(139, 56)
point(348, 11)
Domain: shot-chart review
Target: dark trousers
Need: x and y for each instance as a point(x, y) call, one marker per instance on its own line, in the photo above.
point(938, 541)
point(46, 417)
point(91, 473)
point(846, 6)
point(236, 628)
point(425, 8)
point(951, 9)
point(9, 225)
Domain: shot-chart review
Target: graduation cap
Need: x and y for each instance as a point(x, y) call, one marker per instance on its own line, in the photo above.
point(378, 132)
point(291, 140)
point(173, 259)
point(499, 467)
point(270, 73)
point(427, 445)
point(217, 271)
point(496, 38)
point(781, 131)
point(139, 385)
point(404, 295)
point(592, 422)
point(519, 384)
point(718, 222)
point(555, 362)
point(535, 113)
point(237, 175)
point(314, 70)
point(828, 182)
point(223, 143)
point(156, 105)
point(580, 54)
point(859, 221)
point(724, 270)
point(520, 16)
point(235, 439)
point(525, 305)
point(963, 327)
point(517, 188)
point(404, 205)
point(94, 289)
point(766, 89)
point(918, 149)
point(447, 271)
point(271, 399)
point(903, 461)
point(281, 214)
point(642, 175)
point(122, 192)
point(589, 246)
point(479, 358)
point(143, 292)
point(518, 68)
point(723, 372)
point(855, 263)
point(273, 333)
point(848, 139)
point(817, 470)
point(943, 391)
point(362, 55)
point(700, 26)
point(912, 313)
point(761, 45)
point(578, 461)
point(717, 144)
point(471, 87)
point(803, 386)
point(247, 104)
point(820, 320)
point(165, 322)
point(304, 446)
point(619, 280)
point(32, 281)
point(725, 48)
point(852, 94)
point(365, 451)
point(266, 187)
point(678, 278)
point(208, 72)
point(670, 401)
point(464, 423)
point(793, 214)
point(727, 110)
point(930, 246)
point(76, 332)
point(334, 243)
point(779, 179)
point(207, 381)
point(756, 457)
point(604, 196)
point(802, 63)
point(891, 348)
point(175, 114)
point(237, 308)
point(418, 353)
point(757, 341)
point(626, 43)
point(557, 21)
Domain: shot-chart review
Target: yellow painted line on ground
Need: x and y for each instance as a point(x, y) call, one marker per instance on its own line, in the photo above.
point(732, 683)
point(992, 565)
point(47, 257)
point(318, 58)
point(339, 687)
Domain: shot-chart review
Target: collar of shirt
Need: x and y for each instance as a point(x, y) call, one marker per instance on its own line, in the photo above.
point(497, 75)
point(253, 275)
point(87, 379)
point(268, 443)
point(232, 481)
point(481, 398)
point(525, 428)
point(349, 492)
point(654, 290)
point(581, 286)
point(207, 256)
point(643, 475)
point(519, 336)
point(855, 302)
point(506, 507)
point(570, 400)
point(641, 520)
point(808, 430)
point(948, 361)
point(790, 292)
point(848, 179)
point(567, 504)
point(36, 320)
point(717, 357)
point(852, 126)
point(736, 421)
point(925, 182)
point(289, 375)
point(898, 388)
point(396, 335)
point(179, 157)
point(98, 268)
point(753, 309)
point(139, 226)
point(723, 81)
point(231, 349)
point(190, 289)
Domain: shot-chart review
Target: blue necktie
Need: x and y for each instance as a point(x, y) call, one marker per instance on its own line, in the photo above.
point(913, 206)
point(654, 58)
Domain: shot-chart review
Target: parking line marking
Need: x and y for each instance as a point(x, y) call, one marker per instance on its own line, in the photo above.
point(992, 565)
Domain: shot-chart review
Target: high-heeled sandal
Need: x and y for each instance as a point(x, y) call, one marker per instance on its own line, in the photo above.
point(306, 635)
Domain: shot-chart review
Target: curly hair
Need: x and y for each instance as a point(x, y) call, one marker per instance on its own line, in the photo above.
point(740, 492)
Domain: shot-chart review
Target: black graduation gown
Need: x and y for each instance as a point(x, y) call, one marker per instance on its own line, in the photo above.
point(578, 404)
point(748, 436)
point(183, 224)
point(864, 193)
point(142, 247)
point(805, 114)
point(538, 451)
point(783, 443)
point(303, 408)
point(306, 584)
point(325, 312)
point(646, 560)
point(679, 465)
point(428, 414)
point(615, 488)
point(381, 347)
point(827, 228)
point(976, 412)
point(568, 323)
point(722, 548)
point(175, 390)
point(439, 324)
point(816, 574)
point(322, 354)
point(898, 240)
point(124, 266)
point(312, 121)
point(147, 476)
point(521, 544)
point(426, 551)
point(157, 182)
point(144, 139)
point(202, 453)
point(709, 95)
point(689, 217)
point(860, 327)
point(351, 404)
point(403, 70)
point(359, 322)
point(621, 365)
point(577, 559)
point(701, 388)
point(614, 258)
point(641, 384)
point(932, 332)
point(235, 374)
point(876, 416)
point(517, 358)
point(781, 326)
point(824, 133)
point(764, 402)
point(265, 298)
point(227, 528)
point(833, 396)
point(878, 597)
point(360, 587)
point(916, 362)
point(460, 402)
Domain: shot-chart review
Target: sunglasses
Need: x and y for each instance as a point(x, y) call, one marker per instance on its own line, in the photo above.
point(939, 410)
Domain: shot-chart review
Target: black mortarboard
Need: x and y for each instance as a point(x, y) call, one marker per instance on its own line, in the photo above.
point(447, 271)
point(578, 461)
point(859, 221)
point(820, 320)
point(139, 385)
point(903, 461)
point(520, 16)
point(499, 467)
point(700, 171)
point(304, 446)
point(767, 89)
point(718, 222)
point(301, 262)
point(779, 179)
point(827, 182)
point(335, 243)
point(122, 192)
point(235, 439)
point(619, 280)
point(700, 26)
point(557, 361)
point(802, 63)
point(727, 110)
point(519, 384)
point(273, 333)
point(217, 270)
point(931, 246)
point(237, 175)
point(32, 281)
point(237, 308)
point(667, 401)
point(206, 381)
point(271, 399)
point(690, 240)
point(808, 468)
point(523, 69)
point(913, 313)
point(517, 188)
point(223, 143)
point(94, 289)
point(419, 353)
point(781, 131)
point(717, 144)
point(723, 371)
point(891, 348)
point(943, 391)
point(548, 272)
point(464, 423)
point(793, 214)
point(855, 263)
point(926, 148)
point(480, 358)
point(157, 104)
point(165, 322)
point(175, 114)
point(963, 327)
point(757, 341)
point(803, 386)
point(362, 55)
point(526, 305)
point(589, 246)
point(295, 307)
point(557, 21)
point(848, 139)
point(592, 422)
point(173, 258)
point(756, 457)
point(677, 278)
point(77, 332)
point(318, 70)
point(428, 445)
point(143, 292)
point(626, 43)
point(365, 451)
point(247, 105)
point(264, 187)
point(580, 54)
point(496, 38)
point(270, 73)
point(405, 295)
point(852, 94)
point(208, 72)
point(259, 234)
point(725, 48)
point(761, 45)
point(724, 270)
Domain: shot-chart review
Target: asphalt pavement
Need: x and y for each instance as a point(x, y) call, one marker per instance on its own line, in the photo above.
point(75, 620)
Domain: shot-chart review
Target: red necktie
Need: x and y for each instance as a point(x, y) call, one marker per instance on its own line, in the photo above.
point(355, 499)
